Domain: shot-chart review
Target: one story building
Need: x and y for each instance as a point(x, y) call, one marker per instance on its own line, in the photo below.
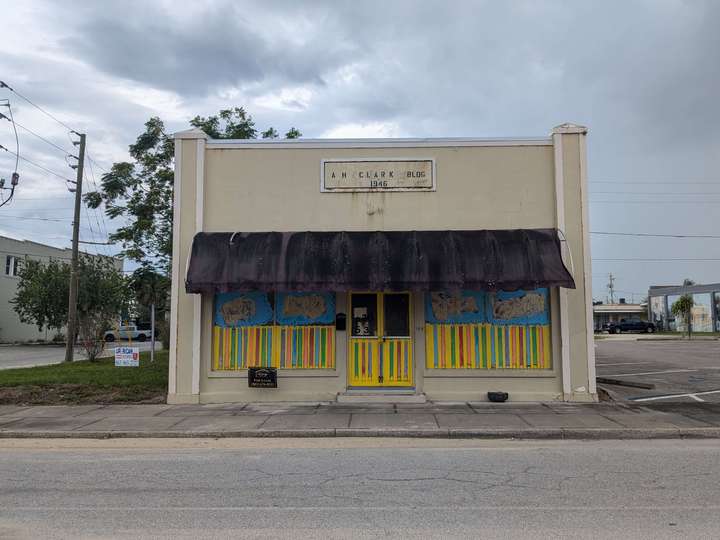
point(604, 314)
point(381, 269)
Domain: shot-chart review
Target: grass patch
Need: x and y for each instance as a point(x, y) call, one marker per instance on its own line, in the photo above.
point(87, 382)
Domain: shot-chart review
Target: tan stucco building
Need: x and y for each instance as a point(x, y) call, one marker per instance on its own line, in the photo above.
point(382, 269)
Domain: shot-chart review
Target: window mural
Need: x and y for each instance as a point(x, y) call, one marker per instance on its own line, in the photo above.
point(495, 330)
point(519, 307)
point(443, 307)
point(242, 309)
point(282, 330)
point(299, 308)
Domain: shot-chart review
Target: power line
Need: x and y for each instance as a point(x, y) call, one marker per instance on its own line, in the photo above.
point(654, 202)
point(655, 235)
point(652, 183)
point(57, 220)
point(657, 260)
point(63, 150)
point(645, 193)
point(38, 107)
point(36, 165)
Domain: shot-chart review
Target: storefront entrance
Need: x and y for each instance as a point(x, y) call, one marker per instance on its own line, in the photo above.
point(380, 342)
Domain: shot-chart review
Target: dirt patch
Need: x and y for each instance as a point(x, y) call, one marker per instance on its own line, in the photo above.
point(77, 394)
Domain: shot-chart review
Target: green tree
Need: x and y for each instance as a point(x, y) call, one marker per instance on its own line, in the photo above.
point(42, 295)
point(139, 192)
point(270, 133)
point(682, 308)
point(140, 195)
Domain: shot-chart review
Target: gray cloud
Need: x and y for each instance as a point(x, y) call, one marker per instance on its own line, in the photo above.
point(643, 75)
point(223, 47)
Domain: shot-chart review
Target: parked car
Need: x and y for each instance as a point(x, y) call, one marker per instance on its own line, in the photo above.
point(127, 332)
point(630, 325)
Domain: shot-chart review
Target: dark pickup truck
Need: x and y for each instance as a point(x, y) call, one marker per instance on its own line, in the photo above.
point(630, 325)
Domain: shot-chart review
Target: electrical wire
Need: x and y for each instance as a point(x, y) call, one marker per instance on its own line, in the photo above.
point(38, 107)
point(18, 156)
point(651, 183)
point(645, 193)
point(654, 202)
point(656, 260)
point(655, 235)
point(63, 150)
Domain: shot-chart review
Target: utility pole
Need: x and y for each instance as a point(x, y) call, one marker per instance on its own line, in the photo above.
point(611, 287)
point(72, 302)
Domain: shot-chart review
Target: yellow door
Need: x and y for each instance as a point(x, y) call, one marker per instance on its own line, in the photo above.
point(380, 342)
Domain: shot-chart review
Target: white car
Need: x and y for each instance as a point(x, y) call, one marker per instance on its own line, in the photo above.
point(126, 332)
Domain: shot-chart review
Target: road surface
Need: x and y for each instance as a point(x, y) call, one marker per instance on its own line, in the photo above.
point(359, 488)
point(15, 356)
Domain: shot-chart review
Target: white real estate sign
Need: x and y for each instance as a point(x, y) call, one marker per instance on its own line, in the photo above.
point(127, 356)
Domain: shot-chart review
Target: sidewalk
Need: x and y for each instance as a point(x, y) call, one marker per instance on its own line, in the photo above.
point(440, 420)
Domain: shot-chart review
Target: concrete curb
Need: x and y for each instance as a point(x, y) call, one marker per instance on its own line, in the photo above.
point(522, 434)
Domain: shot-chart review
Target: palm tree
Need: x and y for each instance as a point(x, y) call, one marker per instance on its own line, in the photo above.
point(682, 307)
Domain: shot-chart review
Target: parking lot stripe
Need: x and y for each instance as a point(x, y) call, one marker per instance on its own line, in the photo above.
point(600, 364)
point(669, 396)
point(651, 372)
point(693, 396)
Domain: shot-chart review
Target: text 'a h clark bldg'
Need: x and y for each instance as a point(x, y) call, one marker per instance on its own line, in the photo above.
point(438, 268)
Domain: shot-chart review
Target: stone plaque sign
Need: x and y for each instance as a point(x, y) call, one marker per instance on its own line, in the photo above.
point(262, 377)
point(378, 175)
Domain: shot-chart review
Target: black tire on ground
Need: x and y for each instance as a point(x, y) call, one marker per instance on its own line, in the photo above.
point(650, 330)
point(615, 330)
point(109, 338)
point(141, 337)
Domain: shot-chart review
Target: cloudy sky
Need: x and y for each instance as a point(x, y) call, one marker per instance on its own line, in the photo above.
point(643, 75)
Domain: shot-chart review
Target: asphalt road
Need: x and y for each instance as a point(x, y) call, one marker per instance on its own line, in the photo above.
point(15, 356)
point(686, 370)
point(359, 488)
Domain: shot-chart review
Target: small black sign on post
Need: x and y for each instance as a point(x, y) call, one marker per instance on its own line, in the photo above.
point(262, 377)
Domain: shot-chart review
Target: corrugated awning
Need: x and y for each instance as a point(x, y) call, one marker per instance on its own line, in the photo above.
point(377, 261)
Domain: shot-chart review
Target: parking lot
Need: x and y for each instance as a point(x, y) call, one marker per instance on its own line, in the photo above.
point(680, 370)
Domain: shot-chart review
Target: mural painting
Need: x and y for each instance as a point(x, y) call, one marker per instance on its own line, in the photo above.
point(477, 330)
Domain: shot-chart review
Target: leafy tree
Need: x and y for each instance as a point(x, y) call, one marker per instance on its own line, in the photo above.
point(103, 295)
point(140, 192)
point(682, 308)
point(270, 133)
point(42, 296)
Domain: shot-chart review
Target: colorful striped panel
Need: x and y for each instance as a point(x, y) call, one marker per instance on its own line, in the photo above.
point(372, 358)
point(306, 347)
point(485, 346)
point(286, 347)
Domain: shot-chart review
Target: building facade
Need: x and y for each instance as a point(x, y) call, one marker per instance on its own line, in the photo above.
point(705, 312)
point(438, 268)
point(13, 253)
point(604, 314)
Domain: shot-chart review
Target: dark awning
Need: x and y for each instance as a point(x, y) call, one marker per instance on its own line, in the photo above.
point(376, 261)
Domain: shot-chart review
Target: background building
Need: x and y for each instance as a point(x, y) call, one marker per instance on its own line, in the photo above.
point(609, 313)
point(705, 313)
point(12, 254)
